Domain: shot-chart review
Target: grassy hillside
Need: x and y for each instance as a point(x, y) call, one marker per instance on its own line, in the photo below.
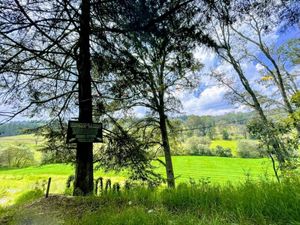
point(29, 141)
point(218, 170)
point(22, 139)
point(14, 182)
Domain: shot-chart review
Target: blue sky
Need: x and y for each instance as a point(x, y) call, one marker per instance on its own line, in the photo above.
point(208, 98)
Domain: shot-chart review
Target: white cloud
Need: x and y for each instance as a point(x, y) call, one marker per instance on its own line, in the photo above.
point(205, 55)
point(210, 102)
point(259, 67)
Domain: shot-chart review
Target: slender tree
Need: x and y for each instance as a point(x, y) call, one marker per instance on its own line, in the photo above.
point(227, 30)
point(151, 61)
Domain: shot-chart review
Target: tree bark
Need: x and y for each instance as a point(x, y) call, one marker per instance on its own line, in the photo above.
point(257, 106)
point(167, 150)
point(83, 184)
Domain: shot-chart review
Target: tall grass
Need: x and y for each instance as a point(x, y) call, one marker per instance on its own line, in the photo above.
point(265, 202)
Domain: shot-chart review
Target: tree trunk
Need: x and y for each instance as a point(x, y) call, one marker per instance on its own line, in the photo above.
point(83, 184)
point(167, 150)
point(257, 107)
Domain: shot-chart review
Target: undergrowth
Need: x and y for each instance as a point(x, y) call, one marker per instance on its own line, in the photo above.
point(201, 203)
point(263, 203)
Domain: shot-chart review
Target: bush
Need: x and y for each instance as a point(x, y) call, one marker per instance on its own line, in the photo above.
point(202, 150)
point(198, 146)
point(17, 156)
point(250, 149)
point(223, 152)
point(225, 135)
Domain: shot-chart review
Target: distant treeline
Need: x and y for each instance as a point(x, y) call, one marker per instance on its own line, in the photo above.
point(19, 127)
point(205, 123)
point(229, 118)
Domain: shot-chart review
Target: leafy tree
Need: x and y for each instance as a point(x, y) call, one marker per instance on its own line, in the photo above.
point(227, 29)
point(225, 135)
point(148, 66)
point(288, 143)
point(201, 125)
point(274, 71)
point(197, 146)
point(250, 149)
point(125, 149)
point(45, 66)
point(46, 63)
point(16, 156)
point(55, 149)
point(223, 152)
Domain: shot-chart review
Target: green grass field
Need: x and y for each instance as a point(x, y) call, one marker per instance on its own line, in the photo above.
point(217, 170)
point(227, 191)
point(27, 140)
point(14, 182)
point(22, 139)
point(213, 169)
point(232, 144)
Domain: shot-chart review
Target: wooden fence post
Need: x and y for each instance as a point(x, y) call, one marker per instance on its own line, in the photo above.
point(48, 187)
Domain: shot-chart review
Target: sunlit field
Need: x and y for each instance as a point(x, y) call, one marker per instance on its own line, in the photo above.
point(232, 144)
point(187, 169)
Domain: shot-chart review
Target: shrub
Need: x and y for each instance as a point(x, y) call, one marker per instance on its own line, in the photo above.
point(225, 135)
point(204, 140)
point(249, 149)
point(198, 146)
point(223, 152)
point(17, 156)
point(201, 149)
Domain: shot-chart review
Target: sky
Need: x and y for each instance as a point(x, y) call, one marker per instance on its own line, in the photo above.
point(208, 98)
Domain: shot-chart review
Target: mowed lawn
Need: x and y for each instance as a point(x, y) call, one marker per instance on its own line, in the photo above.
point(217, 170)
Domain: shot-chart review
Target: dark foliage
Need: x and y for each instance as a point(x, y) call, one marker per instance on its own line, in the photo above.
point(123, 150)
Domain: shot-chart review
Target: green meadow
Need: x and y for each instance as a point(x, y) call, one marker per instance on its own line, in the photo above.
point(210, 190)
point(232, 144)
point(198, 168)
point(26, 139)
point(188, 169)
point(219, 170)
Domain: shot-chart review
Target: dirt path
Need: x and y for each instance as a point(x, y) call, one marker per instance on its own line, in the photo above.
point(50, 211)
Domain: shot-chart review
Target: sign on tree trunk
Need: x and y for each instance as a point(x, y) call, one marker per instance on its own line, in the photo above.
point(84, 132)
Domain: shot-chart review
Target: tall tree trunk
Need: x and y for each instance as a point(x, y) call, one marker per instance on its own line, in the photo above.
point(257, 106)
point(167, 150)
point(282, 89)
point(83, 184)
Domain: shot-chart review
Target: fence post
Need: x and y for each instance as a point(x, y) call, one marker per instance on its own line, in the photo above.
point(48, 187)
